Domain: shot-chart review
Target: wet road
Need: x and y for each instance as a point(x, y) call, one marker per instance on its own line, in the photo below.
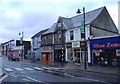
point(24, 71)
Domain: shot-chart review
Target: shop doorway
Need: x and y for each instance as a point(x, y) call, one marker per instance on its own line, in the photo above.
point(57, 56)
point(81, 56)
point(77, 55)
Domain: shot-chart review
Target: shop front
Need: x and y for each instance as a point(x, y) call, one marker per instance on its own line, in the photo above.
point(58, 53)
point(46, 54)
point(105, 51)
point(75, 51)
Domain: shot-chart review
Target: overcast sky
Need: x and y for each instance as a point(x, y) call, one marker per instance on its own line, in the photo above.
point(31, 16)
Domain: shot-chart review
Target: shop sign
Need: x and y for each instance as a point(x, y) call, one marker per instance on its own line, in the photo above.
point(82, 43)
point(58, 46)
point(46, 48)
point(118, 52)
point(69, 45)
point(75, 44)
point(107, 45)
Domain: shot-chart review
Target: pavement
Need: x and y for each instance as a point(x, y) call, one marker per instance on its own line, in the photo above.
point(108, 70)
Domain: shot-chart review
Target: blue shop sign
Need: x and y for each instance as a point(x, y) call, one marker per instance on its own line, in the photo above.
point(105, 43)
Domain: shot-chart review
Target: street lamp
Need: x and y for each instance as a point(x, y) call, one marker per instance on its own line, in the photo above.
point(84, 34)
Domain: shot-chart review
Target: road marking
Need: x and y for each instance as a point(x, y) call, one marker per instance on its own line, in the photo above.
point(13, 75)
point(29, 68)
point(57, 68)
point(46, 68)
point(8, 69)
point(38, 68)
point(33, 79)
point(84, 78)
point(26, 79)
point(18, 69)
point(93, 80)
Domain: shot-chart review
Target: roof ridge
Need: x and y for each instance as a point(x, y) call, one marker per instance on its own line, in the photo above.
point(90, 11)
point(39, 32)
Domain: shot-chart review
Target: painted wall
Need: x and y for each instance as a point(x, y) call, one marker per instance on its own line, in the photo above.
point(77, 34)
point(105, 22)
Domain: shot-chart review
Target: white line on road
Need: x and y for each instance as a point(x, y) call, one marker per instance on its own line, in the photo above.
point(38, 68)
point(45, 68)
point(26, 79)
point(29, 68)
point(8, 69)
point(33, 79)
point(18, 69)
point(86, 78)
point(92, 79)
point(13, 75)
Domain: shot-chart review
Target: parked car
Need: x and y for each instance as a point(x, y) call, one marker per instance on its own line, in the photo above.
point(14, 56)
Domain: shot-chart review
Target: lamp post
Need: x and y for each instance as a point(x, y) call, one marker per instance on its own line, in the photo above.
point(21, 42)
point(84, 35)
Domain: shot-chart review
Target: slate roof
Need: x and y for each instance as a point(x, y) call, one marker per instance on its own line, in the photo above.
point(75, 20)
point(89, 17)
point(51, 29)
point(39, 33)
point(68, 22)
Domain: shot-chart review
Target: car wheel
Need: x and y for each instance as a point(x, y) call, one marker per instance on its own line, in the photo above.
point(18, 59)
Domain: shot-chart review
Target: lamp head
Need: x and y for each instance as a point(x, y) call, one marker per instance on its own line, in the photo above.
point(78, 11)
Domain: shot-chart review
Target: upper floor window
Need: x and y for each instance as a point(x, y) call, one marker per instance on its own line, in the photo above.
point(59, 36)
point(71, 35)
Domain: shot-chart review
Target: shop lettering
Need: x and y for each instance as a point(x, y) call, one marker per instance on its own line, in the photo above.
point(113, 45)
point(108, 45)
point(98, 45)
